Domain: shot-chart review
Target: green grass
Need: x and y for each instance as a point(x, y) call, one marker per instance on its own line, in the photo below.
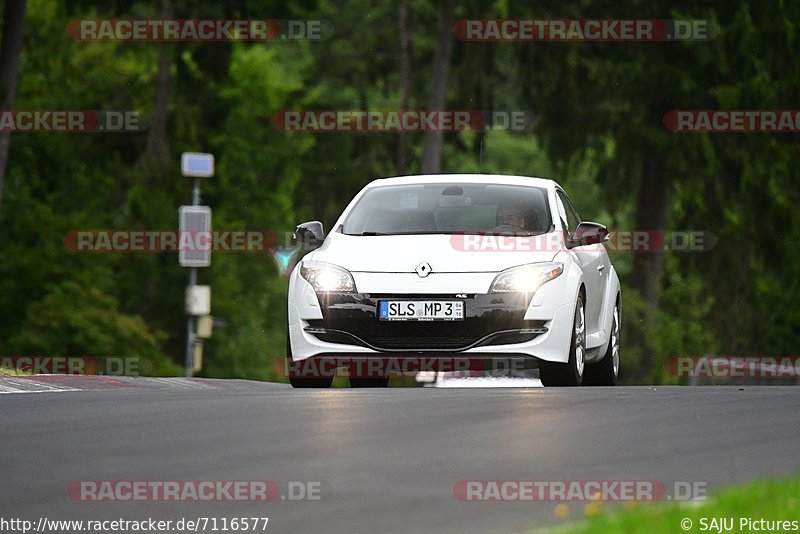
point(769, 499)
point(10, 371)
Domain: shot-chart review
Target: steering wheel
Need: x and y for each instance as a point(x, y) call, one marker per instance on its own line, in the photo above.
point(507, 228)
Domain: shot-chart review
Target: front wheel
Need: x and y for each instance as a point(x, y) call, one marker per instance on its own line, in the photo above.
point(570, 373)
point(306, 382)
point(606, 371)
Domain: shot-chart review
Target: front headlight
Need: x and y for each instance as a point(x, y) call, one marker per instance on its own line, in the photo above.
point(526, 278)
point(327, 278)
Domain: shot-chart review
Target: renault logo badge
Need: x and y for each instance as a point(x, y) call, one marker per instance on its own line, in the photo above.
point(423, 269)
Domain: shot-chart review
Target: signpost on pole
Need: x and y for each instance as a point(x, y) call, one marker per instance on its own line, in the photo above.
point(195, 218)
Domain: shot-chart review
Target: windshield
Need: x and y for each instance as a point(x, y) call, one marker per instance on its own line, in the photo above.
point(449, 209)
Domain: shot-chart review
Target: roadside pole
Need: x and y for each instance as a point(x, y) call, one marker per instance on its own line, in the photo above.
point(188, 361)
point(194, 219)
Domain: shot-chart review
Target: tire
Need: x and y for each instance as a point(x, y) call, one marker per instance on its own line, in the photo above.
point(369, 382)
point(571, 373)
point(302, 381)
point(606, 371)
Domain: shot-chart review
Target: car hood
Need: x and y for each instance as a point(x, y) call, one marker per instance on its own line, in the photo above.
point(444, 253)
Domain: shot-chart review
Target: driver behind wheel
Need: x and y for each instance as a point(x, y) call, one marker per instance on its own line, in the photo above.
point(509, 216)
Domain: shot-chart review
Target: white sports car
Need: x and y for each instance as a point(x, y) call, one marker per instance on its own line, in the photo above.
point(485, 268)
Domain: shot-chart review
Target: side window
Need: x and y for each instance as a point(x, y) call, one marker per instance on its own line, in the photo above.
point(573, 220)
point(562, 212)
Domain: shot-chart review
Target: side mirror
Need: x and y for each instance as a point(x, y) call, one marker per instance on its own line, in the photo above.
point(309, 235)
point(588, 233)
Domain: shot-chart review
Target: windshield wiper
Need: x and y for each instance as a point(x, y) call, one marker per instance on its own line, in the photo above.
point(514, 233)
point(370, 233)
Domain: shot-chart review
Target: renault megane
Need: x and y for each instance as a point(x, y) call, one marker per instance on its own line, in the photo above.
point(484, 267)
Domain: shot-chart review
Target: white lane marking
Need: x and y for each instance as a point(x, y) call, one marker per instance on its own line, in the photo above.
point(21, 385)
point(489, 382)
point(35, 383)
point(31, 385)
point(7, 390)
point(182, 383)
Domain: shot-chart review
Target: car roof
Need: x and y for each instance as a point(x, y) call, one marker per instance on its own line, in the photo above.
point(464, 178)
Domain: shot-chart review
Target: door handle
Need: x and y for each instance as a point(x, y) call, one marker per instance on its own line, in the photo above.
point(601, 267)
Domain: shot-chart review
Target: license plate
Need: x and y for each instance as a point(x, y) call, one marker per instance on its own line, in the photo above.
point(421, 310)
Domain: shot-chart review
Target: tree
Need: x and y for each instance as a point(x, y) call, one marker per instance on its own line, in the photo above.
point(440, 73)
point(404, 33)
point(10, 54)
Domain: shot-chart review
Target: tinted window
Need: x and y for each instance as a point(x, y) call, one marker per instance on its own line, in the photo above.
point(450, 208)
point(573, 220)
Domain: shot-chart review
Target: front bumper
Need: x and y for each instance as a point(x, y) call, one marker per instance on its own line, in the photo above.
point(496, 319)
point(495, 325)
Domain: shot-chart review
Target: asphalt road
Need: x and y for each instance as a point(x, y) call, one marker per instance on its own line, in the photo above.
point(387, 460)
